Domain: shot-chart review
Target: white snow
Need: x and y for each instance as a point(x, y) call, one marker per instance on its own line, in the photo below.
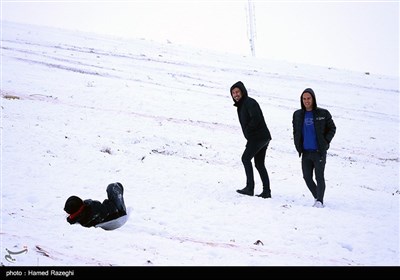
point(80, 111)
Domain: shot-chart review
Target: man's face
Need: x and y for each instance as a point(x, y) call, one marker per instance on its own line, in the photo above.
point(236, 94)
point(308, 101)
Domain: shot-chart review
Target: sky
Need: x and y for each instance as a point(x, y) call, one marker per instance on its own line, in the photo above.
point(80, 111)
point(355, 35)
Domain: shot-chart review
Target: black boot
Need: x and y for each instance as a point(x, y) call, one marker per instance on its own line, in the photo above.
point(247, 191)
point(265, 194)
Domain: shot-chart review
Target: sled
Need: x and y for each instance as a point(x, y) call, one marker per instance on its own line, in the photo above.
point(114, 224)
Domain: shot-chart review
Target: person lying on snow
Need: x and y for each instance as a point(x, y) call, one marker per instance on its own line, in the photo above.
point(89, 213)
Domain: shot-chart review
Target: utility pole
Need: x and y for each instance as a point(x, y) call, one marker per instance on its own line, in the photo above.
point(251, 26)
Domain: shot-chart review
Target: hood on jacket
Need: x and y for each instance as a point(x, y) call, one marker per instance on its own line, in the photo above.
point(242, 88)
point(310, 91)
point(73, 204)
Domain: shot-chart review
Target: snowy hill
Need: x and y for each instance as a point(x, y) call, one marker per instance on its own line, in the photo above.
point(80, 111)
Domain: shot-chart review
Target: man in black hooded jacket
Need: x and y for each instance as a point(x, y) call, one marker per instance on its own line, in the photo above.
point(313, 130)
point(89, 213)
point(258, 137)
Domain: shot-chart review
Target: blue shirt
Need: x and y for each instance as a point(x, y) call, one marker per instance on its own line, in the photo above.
point(309, 136)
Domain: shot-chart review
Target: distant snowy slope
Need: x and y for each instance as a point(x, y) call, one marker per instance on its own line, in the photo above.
point(81, 110)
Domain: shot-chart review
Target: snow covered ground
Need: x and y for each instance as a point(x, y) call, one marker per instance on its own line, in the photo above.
point(80, 111)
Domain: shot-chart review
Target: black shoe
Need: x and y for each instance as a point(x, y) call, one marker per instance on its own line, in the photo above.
point(246, 191)
point(265, 194)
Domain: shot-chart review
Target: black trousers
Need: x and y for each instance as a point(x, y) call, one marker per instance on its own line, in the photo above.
point(257, 151)
point(115, 192)
point(314, 162)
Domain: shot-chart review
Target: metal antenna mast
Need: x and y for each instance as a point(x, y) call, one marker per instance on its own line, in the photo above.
point(251, 26)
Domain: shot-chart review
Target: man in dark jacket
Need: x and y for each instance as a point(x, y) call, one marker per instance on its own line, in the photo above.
point(258, 137)
point(90, 213)
point(313, 130)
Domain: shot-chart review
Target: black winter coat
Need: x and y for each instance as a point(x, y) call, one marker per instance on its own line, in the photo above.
point(94, 212)
point(251, 117)
point(325, 128)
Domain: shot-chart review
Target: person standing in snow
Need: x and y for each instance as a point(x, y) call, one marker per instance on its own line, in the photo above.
point(313, 131)
point(89, 213)
point(257, 135)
